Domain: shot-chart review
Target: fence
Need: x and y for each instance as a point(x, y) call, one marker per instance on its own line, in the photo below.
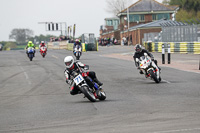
point(180, 33)
point(173, 31)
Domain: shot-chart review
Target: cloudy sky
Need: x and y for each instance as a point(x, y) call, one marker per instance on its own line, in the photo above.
point(88, 15)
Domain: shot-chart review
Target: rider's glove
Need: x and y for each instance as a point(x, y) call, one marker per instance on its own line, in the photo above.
point(69, 82)
point(152, 59)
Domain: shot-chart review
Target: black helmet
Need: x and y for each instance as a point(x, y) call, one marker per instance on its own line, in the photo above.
point(138, 48)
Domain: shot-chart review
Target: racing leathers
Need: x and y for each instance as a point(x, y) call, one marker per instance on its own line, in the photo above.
point(91, 74)
point(30, 44)
point(140, 54)
point(75, 44)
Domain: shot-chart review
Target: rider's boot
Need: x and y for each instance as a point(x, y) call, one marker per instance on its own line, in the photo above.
point(141, 72)
point(98, 82)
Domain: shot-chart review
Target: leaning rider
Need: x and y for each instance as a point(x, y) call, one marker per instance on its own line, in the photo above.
point(139, 52)
point(72, 66)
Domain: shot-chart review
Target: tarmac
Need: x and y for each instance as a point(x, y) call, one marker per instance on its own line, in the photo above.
point(182, 61)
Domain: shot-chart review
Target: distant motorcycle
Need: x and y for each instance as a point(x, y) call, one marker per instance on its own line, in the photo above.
point(43, 51)
point(30, 52)
point(77, 52)
point(145, 64)
point(80, 82)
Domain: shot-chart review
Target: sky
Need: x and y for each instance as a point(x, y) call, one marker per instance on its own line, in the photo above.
point(88, 15)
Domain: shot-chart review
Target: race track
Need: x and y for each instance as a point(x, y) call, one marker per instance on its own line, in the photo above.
point(34, 97)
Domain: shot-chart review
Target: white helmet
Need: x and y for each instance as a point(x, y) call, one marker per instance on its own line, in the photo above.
point(69, 61)
point(42, 41)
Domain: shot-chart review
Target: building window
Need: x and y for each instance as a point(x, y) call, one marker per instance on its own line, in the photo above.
point(109, 23)
point(142, 18)
point(136, 18)
point(161, 16)
point(154, 17)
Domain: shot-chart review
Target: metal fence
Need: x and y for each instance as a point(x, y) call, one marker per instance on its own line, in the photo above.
point(175, 32)
point(180, 33)
point(154, 37)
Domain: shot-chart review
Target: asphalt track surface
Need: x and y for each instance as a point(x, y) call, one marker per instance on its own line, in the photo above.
point(34, 97)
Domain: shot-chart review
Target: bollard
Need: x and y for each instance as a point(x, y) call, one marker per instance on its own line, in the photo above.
point(163, 53)
point(169, 54)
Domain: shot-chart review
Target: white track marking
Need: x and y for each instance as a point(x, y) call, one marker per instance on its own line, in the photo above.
point(54, 56)
point(26, 75)
point(178, 130)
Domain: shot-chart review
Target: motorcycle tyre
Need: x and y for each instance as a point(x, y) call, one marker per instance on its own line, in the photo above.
point(90, 96)
point(103, 96)
point(43, 55)
point(153, 76)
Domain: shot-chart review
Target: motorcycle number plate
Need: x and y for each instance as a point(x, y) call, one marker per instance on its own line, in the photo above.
point(78, 79)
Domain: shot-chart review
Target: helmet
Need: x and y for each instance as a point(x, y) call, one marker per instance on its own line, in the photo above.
point(42, 42)
point(30, 42)
point(77, 40)
point(138, 48)
point(69, 61)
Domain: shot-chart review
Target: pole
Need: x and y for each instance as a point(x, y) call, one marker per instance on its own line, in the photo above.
point(128, 21)
point(169, 53)
point(199, 63)
point(163, 53)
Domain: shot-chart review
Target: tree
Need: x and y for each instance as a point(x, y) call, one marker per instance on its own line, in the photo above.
point(166, 2)
point(21, 35)
point(116, 6)
point(9, 45)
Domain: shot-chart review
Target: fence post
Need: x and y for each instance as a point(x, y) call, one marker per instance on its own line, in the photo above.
point(163, 53)
point(169, 53)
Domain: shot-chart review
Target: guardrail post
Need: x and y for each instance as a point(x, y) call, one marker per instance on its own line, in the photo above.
point(163, 53)
point(169, 53)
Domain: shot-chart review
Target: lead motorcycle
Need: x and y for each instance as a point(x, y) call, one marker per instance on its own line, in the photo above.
point(30, 53)
point(77, 52)
point(43, 51)
point(80, 82)
point(145, 64)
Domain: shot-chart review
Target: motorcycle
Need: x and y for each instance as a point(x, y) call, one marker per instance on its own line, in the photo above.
point(145, 64)
point(43, 51)
point(77, 52)
point(82, 85)
point(30, 53)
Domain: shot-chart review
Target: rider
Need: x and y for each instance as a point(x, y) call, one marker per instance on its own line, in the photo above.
point(42, 44)
point(77, 42)
point(30, 44)
point(72, 66)
point(139, 52)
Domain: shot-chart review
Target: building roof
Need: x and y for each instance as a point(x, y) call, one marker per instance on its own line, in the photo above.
point(149, 6)
point(113, 18)
point(158, 23)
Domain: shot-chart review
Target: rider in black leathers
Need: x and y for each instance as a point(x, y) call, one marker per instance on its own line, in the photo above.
point(71, 66)
point(139, 52)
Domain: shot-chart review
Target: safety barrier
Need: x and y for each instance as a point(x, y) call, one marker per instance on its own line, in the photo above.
point(180, 47)
point(69, 46)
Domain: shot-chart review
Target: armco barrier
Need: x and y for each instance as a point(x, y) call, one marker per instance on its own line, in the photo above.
point(180, 47)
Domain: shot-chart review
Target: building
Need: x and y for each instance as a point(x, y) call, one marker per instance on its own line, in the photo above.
point(139, 13)
point(110, 29)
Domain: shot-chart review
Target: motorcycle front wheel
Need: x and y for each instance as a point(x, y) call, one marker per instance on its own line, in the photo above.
point(89, 94)
point(153, 76)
